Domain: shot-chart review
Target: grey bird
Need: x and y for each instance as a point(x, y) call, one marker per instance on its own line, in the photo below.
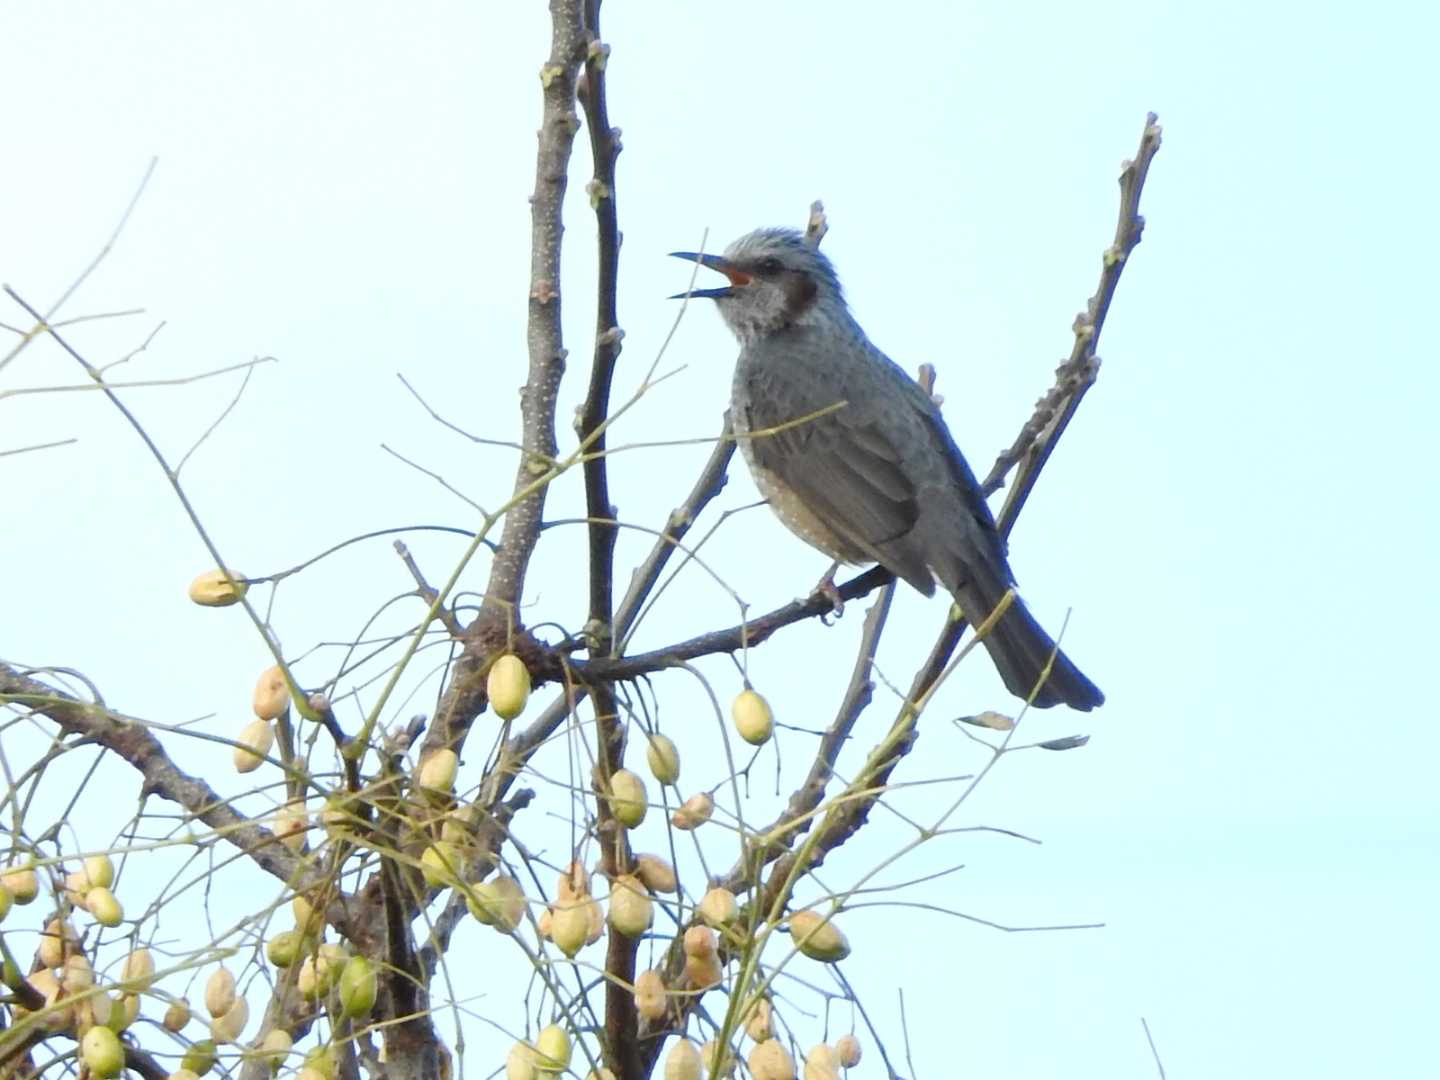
point(877, 477)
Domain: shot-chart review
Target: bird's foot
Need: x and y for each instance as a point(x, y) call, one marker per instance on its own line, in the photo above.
point(825, 587)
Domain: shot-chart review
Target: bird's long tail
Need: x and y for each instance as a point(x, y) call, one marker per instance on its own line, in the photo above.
point(1021, 650)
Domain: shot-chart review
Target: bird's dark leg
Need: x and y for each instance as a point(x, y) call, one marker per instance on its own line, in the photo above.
point(826, 587)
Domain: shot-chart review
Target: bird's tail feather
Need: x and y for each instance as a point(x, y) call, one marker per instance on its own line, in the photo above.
point(1021, 649)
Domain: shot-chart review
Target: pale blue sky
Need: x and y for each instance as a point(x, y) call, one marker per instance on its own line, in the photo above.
point(1241, 519)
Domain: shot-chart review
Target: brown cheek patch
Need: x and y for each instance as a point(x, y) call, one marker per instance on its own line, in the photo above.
point(800, 292)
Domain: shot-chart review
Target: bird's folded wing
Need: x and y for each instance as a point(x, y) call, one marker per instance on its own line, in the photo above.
point(851, 477)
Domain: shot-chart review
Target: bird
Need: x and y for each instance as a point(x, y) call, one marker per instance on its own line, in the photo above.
point(854, 457)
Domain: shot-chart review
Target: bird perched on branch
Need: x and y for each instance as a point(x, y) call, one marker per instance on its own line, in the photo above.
point(854, 456)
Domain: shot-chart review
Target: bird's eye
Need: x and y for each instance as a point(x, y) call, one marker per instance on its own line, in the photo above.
point(769, 266)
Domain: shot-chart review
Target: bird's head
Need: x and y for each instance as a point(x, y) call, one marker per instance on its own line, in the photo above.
point(776, 280)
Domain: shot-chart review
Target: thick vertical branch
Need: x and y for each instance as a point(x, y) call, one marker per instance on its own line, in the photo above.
point(619, 1043)
point(544, 339)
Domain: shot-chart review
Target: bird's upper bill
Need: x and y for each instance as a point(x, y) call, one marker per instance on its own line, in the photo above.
point(737, 276)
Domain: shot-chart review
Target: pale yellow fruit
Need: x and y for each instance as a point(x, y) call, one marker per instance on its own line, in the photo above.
point(22, 883)
point(628, 801)
point(330, 961)
point(694, 812)
point(650, 1001)
point(323, 1062)
point(603, 1074)
point(253, 746)
point(552, 1050)
point(76, 885)
point(101, 1051)
point(77, 974)
point(124, 1011)
point(6, 902)
point(54, 1017)
point(219, 991)
point(307, 979)
point(499, 902)
point(700, 941)
point(520, 1062)
point(214, 589)
point(291, 824)
point(183, 1074)
point(663, 758)
point(760, 1023)
point(631, 909)
point(569, 926)
point(771, 1061)
point(718, 908)
point(508, 686)
point(542, 924)
point(437, 771)
point(101, 903)
point(228, 1027)
point(847, 1049)
point(139, 970)
point(358, 986)
point(309, 1072)
point(818, 939)
point(199, 1057)
point(306, 918)
point(100, 870)
point(657, 875)
point(574, 882)
point(683, 1061)
point(595, 920)
point(703, 970)
point(272, 694)
point(177, 1016)
point(821, 1063)
point(275, 1047)
point(101, 1009)
point(441, 864)
point(283, 949)
point(753, 718)
point(57, 941)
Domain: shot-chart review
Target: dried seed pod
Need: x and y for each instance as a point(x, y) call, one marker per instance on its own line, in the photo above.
point(499, 902)
point(228, 1027)
point(219, 991)
point(139, 970)
point(77, 974)
point(22, 883)
point(628, 801)
point(703, 970)
point(663, 758)
point(683, 1061)
point(437, 772)
point(253, 746)
point(101, 903)
point(569, 926)
point(272, 694)
point(753, 718)
point(760, 1022)
point(700, 941)
point(574, 882)
point(631, 909)
point(693, 812)
point(176, 1016)
point(508, 686)
point(275, 1047)
point(771, 1061)
point(718, 908)
point(214, 589)
point(818, 938)
point(847, 1049)
point(657, 875)
point(520, 1062)
point(821, 1063)
point(291, 823)
point(57, 941)
point(650, 1001)
point(595, 914)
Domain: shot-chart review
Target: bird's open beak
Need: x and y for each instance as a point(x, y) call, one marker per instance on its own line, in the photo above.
point(714, 262)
